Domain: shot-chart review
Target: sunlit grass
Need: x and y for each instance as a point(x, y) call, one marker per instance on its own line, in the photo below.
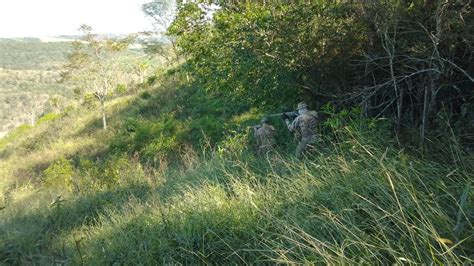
point(367, 205)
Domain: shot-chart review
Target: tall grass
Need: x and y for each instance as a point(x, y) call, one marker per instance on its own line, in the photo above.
point(359, 200)
point(83, 196)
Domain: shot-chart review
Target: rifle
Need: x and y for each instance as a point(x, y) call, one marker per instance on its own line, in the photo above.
point(291, 114)
point(255, 126)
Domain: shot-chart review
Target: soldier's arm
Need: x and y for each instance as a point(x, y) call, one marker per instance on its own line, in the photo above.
point(293, 125)
point(272, 130)
point(255, 132)
point(272, 135)
point(289, 124)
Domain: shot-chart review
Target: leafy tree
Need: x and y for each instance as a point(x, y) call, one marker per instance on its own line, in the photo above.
point(140, 67)
point(269, 54)
point(95, 65)
point(162, 12)
point(34, 105)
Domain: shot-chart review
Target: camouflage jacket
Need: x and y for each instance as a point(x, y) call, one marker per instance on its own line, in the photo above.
point(264, 135)
point(305, 125)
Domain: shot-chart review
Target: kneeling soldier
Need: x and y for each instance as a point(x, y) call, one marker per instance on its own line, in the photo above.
point(264, 137)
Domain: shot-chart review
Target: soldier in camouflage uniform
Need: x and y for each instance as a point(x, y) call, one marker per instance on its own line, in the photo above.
point(264, 136)
point(304, 127)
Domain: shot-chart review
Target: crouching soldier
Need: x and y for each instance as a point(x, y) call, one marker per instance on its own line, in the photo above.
point(304, 126)
point(264, 135)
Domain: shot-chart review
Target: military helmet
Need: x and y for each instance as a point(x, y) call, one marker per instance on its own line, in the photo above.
point(264, 120)
point(302, 105)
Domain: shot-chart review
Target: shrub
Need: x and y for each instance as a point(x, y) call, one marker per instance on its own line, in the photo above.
point(48, 117)
point(89, 101)
point(121, 89)
point(121, 170)
point(15, 134)
point(213, 127)
point(145, 95)
point(59, 174)
point(161, 146)
point(234, 144)
point(89, 174)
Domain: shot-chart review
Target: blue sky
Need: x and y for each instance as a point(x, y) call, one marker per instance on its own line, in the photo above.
point(39, 18)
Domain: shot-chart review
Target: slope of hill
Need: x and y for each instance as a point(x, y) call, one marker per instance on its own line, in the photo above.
point(29, 78)
point(174, 180)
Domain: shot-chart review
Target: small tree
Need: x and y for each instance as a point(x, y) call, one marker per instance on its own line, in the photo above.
point(162, 12)
point(140, 67)
point(34, 106)
point(95, 65)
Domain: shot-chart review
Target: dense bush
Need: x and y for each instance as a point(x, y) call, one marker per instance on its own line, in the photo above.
point(60, 174)
point(395, 59)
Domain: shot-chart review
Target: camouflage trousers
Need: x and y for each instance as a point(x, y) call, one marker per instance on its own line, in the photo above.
point(264, 149)
point(304, 145)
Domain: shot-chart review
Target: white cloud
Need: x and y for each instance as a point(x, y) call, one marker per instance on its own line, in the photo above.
point(35, 18)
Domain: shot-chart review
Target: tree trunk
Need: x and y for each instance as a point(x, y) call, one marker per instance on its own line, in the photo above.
point(366, 80)
point(104, 121)
point(433, 94)
point(33, 117)
point(410, 118)
point(175, 48)
point(399, 110)
point(390, 49)
point(398, 95)
point(425, 117)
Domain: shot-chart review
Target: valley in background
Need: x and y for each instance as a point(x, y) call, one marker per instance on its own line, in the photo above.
point(29, 79)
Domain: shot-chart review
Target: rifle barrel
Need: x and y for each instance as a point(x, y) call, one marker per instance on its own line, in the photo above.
point(292, 113)
point(273, 115)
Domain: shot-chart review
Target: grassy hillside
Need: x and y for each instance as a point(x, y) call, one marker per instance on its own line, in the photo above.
point(175, 180)
point(29, 74)
point(30, 79)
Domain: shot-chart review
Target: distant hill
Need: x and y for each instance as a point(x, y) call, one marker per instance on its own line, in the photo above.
point(22, 39)
point(29, 71)
point(32, 53)
point(29, 74)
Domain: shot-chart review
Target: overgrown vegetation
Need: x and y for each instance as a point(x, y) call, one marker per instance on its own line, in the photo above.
point(175, 179)
point(141, 191)
point(410, 61)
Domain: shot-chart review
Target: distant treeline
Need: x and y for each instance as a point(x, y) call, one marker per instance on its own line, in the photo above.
point(31, 53)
